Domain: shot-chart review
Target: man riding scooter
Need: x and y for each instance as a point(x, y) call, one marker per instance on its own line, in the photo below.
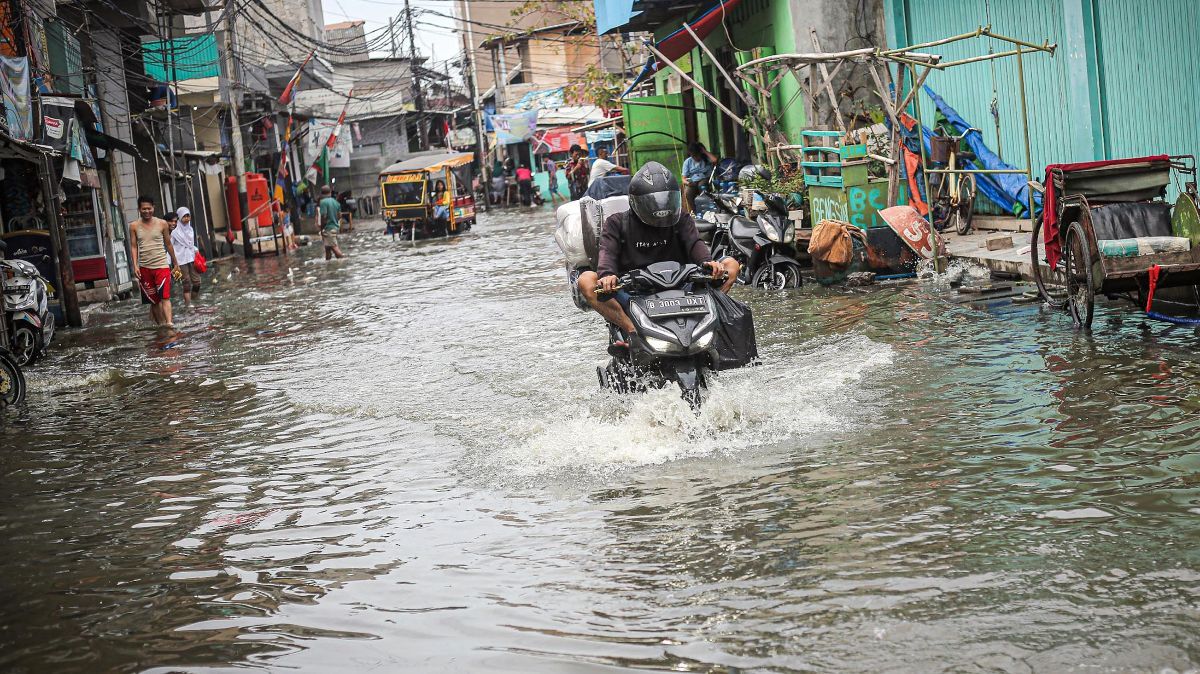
point(655, 229)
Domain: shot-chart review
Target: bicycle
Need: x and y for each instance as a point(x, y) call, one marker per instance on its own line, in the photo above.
point(953, 200)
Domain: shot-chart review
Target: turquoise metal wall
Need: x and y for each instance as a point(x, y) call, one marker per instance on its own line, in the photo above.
point(970, 88)
point(1149, 65)
point(1125, 80)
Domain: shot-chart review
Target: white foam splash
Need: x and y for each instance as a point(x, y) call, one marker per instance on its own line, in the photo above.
point(789, 396)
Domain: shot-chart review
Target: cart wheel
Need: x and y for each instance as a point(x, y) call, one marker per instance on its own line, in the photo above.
point(964, 211)
point(1081, 293)
point(1051, 286)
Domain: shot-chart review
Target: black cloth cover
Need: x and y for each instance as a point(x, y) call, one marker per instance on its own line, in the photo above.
point(735, 342)
point(1131, 220)
point(609, 186)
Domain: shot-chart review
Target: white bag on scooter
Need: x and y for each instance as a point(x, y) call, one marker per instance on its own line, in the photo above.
point(569, 234)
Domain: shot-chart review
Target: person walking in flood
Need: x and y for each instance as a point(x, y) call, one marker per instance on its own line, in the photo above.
point(330, 213)
point(183, 238)
point(154, 261)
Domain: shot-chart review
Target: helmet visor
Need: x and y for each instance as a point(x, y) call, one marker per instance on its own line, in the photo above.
point(657, 209)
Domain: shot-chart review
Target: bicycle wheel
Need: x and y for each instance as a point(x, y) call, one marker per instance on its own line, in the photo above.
point(964, 210)
point(1051, 283)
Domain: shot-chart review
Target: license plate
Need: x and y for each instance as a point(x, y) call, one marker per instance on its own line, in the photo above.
point(676, 306)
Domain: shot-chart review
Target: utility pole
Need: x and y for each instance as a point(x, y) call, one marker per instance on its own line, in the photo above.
point(422, 127)
point(485, 169)
point(392, 34)
point(235, 135)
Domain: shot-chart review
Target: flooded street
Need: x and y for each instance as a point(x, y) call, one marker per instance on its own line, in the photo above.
point(402, 462)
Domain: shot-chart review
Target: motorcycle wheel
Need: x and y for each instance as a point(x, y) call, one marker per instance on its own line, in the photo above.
point(26, 344)
point(777, 277)
point(12, 382)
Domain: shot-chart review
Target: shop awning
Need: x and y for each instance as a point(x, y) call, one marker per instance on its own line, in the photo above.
point(680, 42)
point(107, 142)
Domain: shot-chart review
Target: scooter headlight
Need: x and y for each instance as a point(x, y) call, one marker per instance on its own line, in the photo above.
point(789, 233)
point(705, 340)
point(770, 230)
point(662, 345)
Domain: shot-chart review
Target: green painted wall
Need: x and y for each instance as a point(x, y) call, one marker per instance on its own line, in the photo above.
point(1124, 81)
point(765, 24)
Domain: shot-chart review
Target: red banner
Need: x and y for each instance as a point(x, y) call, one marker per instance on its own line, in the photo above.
point(558, 140)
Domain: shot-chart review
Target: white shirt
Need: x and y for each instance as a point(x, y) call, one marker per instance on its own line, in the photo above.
point(184, 241)
point(600, 168)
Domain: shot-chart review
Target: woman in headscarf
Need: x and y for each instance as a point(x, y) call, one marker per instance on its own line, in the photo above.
point(183, 238)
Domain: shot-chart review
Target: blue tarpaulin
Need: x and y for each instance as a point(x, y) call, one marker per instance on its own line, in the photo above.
point(1009, 191)
point(612, 14)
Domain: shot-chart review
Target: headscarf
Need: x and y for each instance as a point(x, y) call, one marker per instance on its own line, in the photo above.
point(182, 211)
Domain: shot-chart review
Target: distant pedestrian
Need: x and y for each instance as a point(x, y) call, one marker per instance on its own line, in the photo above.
point(551, 168)
point(183, 238)
point(697, 169)
point(330, 212)
point(525, 182)
point(347, 206)
point(154, 261)
point(602, 166)
point(578, 171)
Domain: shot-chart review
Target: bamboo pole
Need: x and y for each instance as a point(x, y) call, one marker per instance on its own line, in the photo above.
point(1045, 46)
point(934, 43)
point(688, 78)
point(826, 84)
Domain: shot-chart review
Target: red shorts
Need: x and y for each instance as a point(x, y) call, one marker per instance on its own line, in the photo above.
point(155, 284)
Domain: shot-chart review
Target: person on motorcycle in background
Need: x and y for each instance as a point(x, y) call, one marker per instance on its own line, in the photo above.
point(654, 229)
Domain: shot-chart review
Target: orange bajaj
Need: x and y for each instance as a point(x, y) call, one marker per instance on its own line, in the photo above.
point(428, 195)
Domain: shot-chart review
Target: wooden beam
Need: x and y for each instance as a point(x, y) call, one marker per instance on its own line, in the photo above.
point(833, 101)
point(688, 78)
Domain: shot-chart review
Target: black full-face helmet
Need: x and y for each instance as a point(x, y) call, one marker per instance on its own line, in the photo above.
point(654, 195)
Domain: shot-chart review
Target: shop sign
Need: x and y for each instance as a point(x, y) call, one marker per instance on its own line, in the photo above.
point(403, 178)
point(54, 127)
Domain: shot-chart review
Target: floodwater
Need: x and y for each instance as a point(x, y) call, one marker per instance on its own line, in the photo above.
point(402, 462)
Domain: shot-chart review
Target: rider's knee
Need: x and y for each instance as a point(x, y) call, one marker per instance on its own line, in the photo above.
point(587, 282)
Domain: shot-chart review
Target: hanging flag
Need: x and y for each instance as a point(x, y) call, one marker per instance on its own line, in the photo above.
point(337, 129)
point(289, 92)
point(315, 169)
point(281, 175)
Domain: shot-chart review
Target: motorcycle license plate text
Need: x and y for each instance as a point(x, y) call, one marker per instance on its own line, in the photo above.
point(675, 306)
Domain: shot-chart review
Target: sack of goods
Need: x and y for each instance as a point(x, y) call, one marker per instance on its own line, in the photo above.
point(569, 234)
point(735, 344)
point(831, 242)
point(580, 224)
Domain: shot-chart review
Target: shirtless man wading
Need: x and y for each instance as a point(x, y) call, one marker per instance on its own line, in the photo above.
point(150, 243)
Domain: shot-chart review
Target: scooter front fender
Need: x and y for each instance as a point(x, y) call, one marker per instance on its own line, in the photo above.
point(29, 317)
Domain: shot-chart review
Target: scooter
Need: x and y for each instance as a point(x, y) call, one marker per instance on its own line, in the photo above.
point(12, 380)
point(676, 319)
point(764, 245)
point(26, 311)
point(719, 201)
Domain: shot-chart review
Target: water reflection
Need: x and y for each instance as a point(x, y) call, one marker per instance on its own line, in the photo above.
point(401, 460)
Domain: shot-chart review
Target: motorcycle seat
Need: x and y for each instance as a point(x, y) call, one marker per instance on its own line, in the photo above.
point(743, 228)
point(704, 226)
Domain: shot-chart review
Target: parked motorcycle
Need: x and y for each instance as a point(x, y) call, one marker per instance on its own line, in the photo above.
point(12, 380)
point(764, 246)
point(674, 311)
point(30, 325)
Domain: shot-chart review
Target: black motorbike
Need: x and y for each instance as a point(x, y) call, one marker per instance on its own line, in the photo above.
point(763, 244)
point(12, 380)
point(674, 308)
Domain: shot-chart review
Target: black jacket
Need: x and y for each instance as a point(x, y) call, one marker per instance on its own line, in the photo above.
point(628, 243)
